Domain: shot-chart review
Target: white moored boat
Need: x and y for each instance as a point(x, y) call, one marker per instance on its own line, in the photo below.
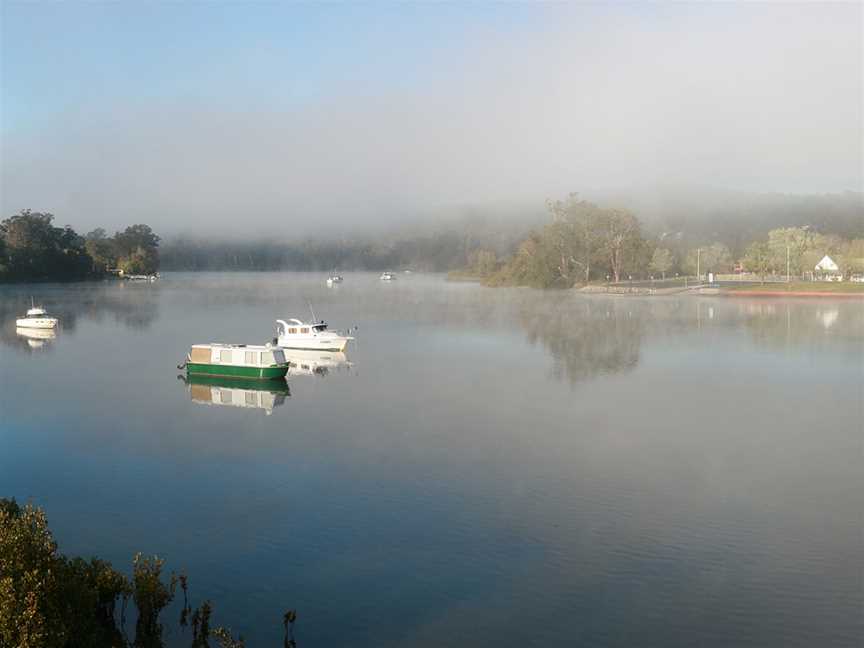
point(334, 279)
point(388, 276)
point(295, 334)
point(37, 318)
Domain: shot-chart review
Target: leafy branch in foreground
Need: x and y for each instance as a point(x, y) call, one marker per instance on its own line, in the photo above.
point(50, 601)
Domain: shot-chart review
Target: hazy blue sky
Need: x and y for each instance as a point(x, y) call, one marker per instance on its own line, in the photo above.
point(263, 115)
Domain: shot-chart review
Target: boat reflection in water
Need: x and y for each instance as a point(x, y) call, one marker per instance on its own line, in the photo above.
point(315, 363)
point(36, 337)
point(237, 392)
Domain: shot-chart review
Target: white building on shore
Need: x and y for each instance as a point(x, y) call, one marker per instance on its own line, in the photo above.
point(828, 270)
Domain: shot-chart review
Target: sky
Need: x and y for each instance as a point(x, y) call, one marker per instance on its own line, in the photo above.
point(292, 118)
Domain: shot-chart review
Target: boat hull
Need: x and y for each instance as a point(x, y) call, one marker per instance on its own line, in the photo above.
point(316, 345)
point(37, 322)
point(231, 371)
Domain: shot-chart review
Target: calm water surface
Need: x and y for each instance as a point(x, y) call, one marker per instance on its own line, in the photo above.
point(488, 467)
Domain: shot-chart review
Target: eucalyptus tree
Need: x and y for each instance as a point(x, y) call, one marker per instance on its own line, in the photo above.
point(576, 228)
point(661, 261)
point(759, 259)
point(621, 240)
point(793, 247)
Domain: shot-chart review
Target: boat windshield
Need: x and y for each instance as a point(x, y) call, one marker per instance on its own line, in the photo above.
point(319, 327)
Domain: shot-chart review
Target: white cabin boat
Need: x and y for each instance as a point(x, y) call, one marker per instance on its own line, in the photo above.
point(144, 277)
point(334, 279)
point(295, 334)
point(388, 276)
point(37, 318)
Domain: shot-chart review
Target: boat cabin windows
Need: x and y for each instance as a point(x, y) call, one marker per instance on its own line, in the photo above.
point(237, 356)
point(304, 331)
point(319, 327)
point(292, 331)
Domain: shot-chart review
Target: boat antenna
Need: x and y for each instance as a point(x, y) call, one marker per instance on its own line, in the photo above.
point(314, 319)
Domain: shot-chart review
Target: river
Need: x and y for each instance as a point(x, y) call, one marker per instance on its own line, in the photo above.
point(484, 467)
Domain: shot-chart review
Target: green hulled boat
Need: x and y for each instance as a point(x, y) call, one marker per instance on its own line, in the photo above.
point(244, 361)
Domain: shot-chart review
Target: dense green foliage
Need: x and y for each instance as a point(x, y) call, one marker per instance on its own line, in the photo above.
point(799, 249)
point(32, 248)
point(583, 241)
point(50, 601)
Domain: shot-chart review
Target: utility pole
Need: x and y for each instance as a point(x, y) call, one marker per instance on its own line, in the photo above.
point(698, 274)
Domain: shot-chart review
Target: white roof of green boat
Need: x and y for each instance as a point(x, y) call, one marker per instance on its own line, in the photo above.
point(249, 347)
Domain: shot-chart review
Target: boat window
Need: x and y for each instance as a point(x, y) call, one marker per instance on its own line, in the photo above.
point(250, 357)
point(200, 355)
point(304, 330)
point(292, 331)
point(225, 356)
point(280, 357)
point(267, 358)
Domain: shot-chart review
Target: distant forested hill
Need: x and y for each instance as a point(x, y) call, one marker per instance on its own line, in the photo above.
point(736, 218)
point(691, 216)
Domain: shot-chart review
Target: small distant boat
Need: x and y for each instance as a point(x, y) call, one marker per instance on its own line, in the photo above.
point(334, 279)
point(236, 361)
point(36, 318)
point(388, 276)
point(153, 277)
point(295, 334)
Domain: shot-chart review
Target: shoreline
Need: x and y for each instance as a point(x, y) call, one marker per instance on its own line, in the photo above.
point(791, 293)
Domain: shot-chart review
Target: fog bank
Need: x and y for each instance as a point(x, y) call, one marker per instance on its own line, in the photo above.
point(754, 98)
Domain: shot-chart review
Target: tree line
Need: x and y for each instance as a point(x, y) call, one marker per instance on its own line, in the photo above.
point(578, 241)
point(584, 242)
point(436, 252)
point(33, 248)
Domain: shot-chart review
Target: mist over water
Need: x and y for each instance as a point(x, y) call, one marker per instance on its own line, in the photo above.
point(510, 465)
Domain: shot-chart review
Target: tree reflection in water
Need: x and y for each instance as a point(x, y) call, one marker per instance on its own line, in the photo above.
point(588, 337)
point(132, 306)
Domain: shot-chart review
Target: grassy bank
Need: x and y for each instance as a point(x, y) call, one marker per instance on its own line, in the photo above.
point(840, 287)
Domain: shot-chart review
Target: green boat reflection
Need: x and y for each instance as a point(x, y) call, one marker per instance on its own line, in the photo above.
point(237, 392)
